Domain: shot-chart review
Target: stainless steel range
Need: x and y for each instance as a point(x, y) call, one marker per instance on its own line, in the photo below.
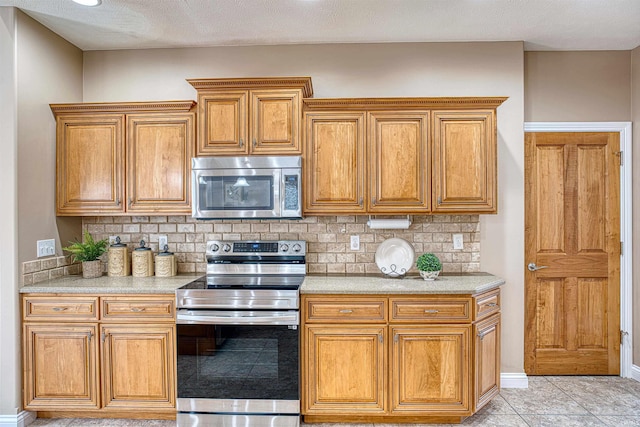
point(238, 337)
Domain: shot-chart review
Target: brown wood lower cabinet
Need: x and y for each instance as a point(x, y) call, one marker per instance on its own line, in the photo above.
point(414, 360)
point(78, 362)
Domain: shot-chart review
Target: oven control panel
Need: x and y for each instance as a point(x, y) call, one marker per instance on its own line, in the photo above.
point(262, 247)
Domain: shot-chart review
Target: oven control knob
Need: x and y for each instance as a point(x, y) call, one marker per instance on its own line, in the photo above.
point(214, 248)
point(284, 248)
point(297, 248)
point(226, 247)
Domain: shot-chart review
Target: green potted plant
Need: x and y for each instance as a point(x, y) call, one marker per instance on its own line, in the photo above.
point(88, 252)
point(429, 266)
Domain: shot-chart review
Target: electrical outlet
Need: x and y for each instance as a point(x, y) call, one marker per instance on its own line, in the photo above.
point(46, 247)
point(457, 241)
point(162, 242)
point(355, 243)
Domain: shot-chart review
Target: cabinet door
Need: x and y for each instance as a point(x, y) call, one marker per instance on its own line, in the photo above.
point(275, 121)
point(487, 361)
point(430, 370)
point(89, 164)
point(60, 366)
point(223, 125)
point(138, 366)
point(464, 162)
point(399, 162)
point(344, 370)
point(159, 151)
point(334, 162)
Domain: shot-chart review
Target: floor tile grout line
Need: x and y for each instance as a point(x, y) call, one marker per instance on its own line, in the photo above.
point(570, 397)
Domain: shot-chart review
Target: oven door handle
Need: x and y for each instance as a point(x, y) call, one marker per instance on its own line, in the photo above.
point(208, 317)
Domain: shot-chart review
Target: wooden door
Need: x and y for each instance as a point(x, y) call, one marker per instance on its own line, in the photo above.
point(345, 369)
point(89, 164)
point(334, 163)
point(464, 162)
point(430, 369)
point(275, 121)
point(60, 366)
point(224, 123)
point(572, 234)
point(159, 152)
point(138, 366)
point(486, 378)
point(399, 162)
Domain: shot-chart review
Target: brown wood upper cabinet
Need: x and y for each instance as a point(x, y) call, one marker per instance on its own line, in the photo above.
point(250, 115)
point(400, 155)
point(119, 158)
point(464, 161)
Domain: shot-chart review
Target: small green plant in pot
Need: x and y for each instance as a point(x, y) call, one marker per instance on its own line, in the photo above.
point(88, 252)
point(429, 266)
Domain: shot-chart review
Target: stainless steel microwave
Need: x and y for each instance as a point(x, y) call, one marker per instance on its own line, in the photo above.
point(247, 187)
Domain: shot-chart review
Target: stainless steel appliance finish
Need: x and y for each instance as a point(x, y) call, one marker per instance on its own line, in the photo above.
point(247, 187)
point(238, 336)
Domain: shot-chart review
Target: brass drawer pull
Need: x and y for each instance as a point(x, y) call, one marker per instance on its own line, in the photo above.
point(137, 309)
point(431, 311)
point(59, 308)
point(346, 311)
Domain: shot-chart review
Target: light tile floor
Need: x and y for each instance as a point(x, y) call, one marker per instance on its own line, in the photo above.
point(548, 402)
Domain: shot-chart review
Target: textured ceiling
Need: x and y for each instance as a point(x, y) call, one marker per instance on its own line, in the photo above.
point(541, 24)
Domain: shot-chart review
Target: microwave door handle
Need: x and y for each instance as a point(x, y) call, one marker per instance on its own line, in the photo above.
point(236, 318)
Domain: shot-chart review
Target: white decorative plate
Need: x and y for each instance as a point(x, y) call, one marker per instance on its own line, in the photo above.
point(395, 257)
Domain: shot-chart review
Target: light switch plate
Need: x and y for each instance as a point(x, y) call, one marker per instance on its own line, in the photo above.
point(162, 241)
point(457, 241)
point(46, 247)
point(355, 243)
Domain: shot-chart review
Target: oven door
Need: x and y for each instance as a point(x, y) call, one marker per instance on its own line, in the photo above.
point(235, 365)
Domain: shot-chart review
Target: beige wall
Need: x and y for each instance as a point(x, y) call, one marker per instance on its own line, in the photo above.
point(635, 116)
point(49, 71)
point(9, 307)
point(369, 70)
point(36, 68)
point(591, 86)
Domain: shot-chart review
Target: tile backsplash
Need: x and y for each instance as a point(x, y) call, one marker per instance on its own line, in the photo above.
point(327, 237)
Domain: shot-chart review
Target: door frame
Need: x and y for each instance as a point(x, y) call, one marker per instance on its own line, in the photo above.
point(626, 257)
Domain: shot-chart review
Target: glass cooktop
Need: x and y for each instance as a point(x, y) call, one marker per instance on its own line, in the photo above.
point(246, 282)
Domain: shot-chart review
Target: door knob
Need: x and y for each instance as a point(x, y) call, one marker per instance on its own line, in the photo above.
point(532, 267)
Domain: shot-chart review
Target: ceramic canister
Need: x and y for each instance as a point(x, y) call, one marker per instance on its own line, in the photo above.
point(142, 261)
point(166, 265)
point(118, 259)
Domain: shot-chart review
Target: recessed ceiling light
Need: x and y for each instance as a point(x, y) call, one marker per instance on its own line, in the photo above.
point(88, 2)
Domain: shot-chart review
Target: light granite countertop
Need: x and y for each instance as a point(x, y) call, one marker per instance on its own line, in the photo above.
point(471, 283)
point(111, 285)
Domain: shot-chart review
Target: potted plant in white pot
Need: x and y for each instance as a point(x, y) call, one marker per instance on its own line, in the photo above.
point(88, 252)
point(429, 266)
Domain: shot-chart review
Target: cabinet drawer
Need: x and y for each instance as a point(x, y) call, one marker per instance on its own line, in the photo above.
point(436, 310)
point(144, 307)
point(351, 310)
point(59, 308)
point(487, 304)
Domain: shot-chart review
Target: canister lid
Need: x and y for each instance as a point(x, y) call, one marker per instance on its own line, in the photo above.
point(117, 243)
point(142, 247)
point(165, 251)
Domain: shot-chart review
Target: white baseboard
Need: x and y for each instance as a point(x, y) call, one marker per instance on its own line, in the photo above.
point(514, 380)
point(635, 372)
point(23, 419)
